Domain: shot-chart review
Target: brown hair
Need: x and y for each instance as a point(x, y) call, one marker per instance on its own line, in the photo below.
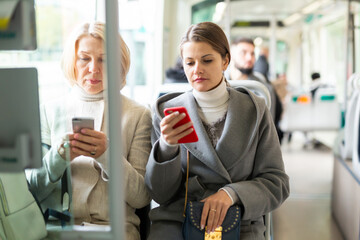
point(210, 33)
point(96, 30)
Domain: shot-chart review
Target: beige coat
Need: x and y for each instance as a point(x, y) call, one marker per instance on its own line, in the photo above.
point(46, 184)
point(136, 129)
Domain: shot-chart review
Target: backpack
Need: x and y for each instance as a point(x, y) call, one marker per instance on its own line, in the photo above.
point(20, 215)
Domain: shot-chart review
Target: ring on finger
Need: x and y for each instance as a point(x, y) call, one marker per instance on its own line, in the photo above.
point(212, 209)
point(93, 152)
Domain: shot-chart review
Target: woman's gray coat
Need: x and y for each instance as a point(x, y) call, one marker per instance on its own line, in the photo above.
point(247, 158)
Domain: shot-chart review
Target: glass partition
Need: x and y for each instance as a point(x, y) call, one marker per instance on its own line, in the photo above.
point(59, 183)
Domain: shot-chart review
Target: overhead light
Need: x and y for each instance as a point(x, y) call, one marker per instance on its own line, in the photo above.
point(311, 7)
point(292, 18)
point(324, 2)
point(219, 11)
point(220, 7)
point(258, 41)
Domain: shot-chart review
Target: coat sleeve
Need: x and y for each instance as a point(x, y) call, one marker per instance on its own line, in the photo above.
point(135, 163)
point(163, 179)
point(268, 186)
point(44, 180)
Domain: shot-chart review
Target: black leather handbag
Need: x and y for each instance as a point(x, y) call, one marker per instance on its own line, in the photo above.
point(230, 227)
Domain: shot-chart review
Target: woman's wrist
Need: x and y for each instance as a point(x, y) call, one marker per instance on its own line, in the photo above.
point(231, 194)
point(166, 151)
point(63, 149)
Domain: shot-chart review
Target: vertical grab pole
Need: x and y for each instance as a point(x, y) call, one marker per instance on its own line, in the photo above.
point(273, 48)
point(117, 213)
point(347, 48)
point(227, 25)
point(227, 20)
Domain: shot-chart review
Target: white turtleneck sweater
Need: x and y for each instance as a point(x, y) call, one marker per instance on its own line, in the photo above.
point(213, 104)
point(87, 105)
point(212, 109)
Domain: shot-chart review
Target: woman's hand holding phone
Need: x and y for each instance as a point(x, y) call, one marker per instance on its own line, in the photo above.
point(87, 141)
point(176, 126)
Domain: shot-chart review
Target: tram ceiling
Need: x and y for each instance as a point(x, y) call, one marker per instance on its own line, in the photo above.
point(259, 13)
point(265, 9)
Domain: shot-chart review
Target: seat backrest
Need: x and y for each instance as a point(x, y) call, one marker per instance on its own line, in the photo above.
point(254, 86)
point(350, 116)
point(172, 87)
point(325, 93)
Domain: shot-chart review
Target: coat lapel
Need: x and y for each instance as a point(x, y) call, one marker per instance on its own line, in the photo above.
point(203, 149)
point(238, 133)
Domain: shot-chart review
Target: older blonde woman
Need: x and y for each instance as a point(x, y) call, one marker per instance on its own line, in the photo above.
point(85, 152)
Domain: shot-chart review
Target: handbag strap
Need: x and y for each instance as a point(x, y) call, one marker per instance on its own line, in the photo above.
point(64, 216)
point(187, 180)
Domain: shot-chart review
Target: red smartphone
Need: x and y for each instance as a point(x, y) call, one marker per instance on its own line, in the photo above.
point(192, 137)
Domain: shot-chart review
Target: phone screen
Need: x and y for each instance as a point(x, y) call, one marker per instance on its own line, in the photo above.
point(192, 137)
point(80, 123)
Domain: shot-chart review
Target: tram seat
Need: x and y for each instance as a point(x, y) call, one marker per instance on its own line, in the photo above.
point(352, 125)
point(304, 113)
point(347, 145)
point(356, 141)
point(256, 87)
point(172, 87)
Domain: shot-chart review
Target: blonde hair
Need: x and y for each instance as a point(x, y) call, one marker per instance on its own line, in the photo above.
point(96, 30)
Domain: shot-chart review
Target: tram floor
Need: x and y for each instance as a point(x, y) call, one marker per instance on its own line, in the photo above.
point(306, 214)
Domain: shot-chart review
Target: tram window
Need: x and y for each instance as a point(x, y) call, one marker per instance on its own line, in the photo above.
point(335, 56)
point(204, 11)
point(54, 21)
point(137, 46)
point(143, 34)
